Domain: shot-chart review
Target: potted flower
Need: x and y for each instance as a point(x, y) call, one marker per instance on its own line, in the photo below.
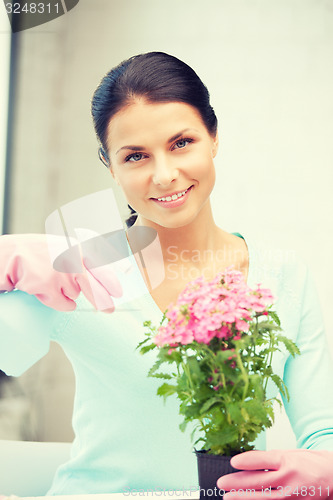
point(218, 341)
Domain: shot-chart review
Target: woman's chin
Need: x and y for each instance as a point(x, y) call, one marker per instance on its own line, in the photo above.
point(178, 222)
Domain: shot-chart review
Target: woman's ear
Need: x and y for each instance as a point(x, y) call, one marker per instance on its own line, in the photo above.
point(105, 160)
point(103, 157)
point(215, 146)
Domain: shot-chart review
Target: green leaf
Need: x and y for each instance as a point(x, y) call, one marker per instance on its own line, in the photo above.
point(235, 413)
point(164, 376)
point(218, 417)
point(203, 392)
point(198, 441)
point(245, 415)
point(256, 388)
point(290, 345)
point(190, 411)
point(146, 348)
point(257, 412)
point(183, 426)
point(278, 401)
point(264, 325)
point(166, 390)
point(281, 386)
point(154, 368)
point(269, 408)
point(208, 404)
point(195, 370)
point(222, 438)
point(275, 317)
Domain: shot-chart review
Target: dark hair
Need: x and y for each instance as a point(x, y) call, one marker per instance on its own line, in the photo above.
point(155, 76)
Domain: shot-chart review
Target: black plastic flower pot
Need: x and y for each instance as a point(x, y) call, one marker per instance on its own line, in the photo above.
point(210, 468)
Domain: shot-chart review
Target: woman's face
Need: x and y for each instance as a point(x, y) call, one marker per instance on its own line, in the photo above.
point(161, 155)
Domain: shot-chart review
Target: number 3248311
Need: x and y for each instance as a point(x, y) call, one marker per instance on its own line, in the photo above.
point(303, 491)
point(32, 8)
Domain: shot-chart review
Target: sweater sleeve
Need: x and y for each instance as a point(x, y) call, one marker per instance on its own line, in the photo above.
point(309, 377)
point(26, 328)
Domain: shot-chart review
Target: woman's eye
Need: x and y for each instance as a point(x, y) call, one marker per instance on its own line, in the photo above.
point(182, 143)
point(134, 157)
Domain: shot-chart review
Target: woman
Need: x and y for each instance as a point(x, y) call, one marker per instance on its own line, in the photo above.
point(158, 137)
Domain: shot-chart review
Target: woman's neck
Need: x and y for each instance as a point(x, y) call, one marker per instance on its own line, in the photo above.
point(198, 236)
point(200, 248)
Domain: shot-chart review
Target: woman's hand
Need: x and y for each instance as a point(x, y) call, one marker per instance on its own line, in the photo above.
point(26, 264)
point(280, 474)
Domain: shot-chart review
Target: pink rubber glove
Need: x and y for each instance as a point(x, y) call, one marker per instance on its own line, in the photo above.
point(25, 264)
point(280, 474)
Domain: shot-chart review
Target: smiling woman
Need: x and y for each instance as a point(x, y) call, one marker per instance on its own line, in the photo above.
point(166, 96)
point(152, 78)
point(169, 170)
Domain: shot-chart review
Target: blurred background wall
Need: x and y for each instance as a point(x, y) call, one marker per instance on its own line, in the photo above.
point(267, 64)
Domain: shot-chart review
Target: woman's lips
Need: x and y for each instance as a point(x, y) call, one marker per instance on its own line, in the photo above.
point(171, 203)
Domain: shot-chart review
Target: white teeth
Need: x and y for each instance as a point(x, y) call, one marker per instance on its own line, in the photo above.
point(173, 197)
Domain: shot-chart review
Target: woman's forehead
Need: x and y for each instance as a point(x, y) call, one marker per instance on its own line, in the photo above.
point(143, 120)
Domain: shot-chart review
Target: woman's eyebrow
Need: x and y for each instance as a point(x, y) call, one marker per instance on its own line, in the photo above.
point(179, 134)
point(142, 148)
point(132, 148)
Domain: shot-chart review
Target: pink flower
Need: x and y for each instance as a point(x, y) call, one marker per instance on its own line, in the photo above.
point(221, 308)
point(242, 325)
point(222, 332)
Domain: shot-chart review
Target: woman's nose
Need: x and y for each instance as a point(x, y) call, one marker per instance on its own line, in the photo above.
point(164, 172)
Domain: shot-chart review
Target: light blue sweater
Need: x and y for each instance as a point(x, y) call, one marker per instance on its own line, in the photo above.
point(125, 436)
